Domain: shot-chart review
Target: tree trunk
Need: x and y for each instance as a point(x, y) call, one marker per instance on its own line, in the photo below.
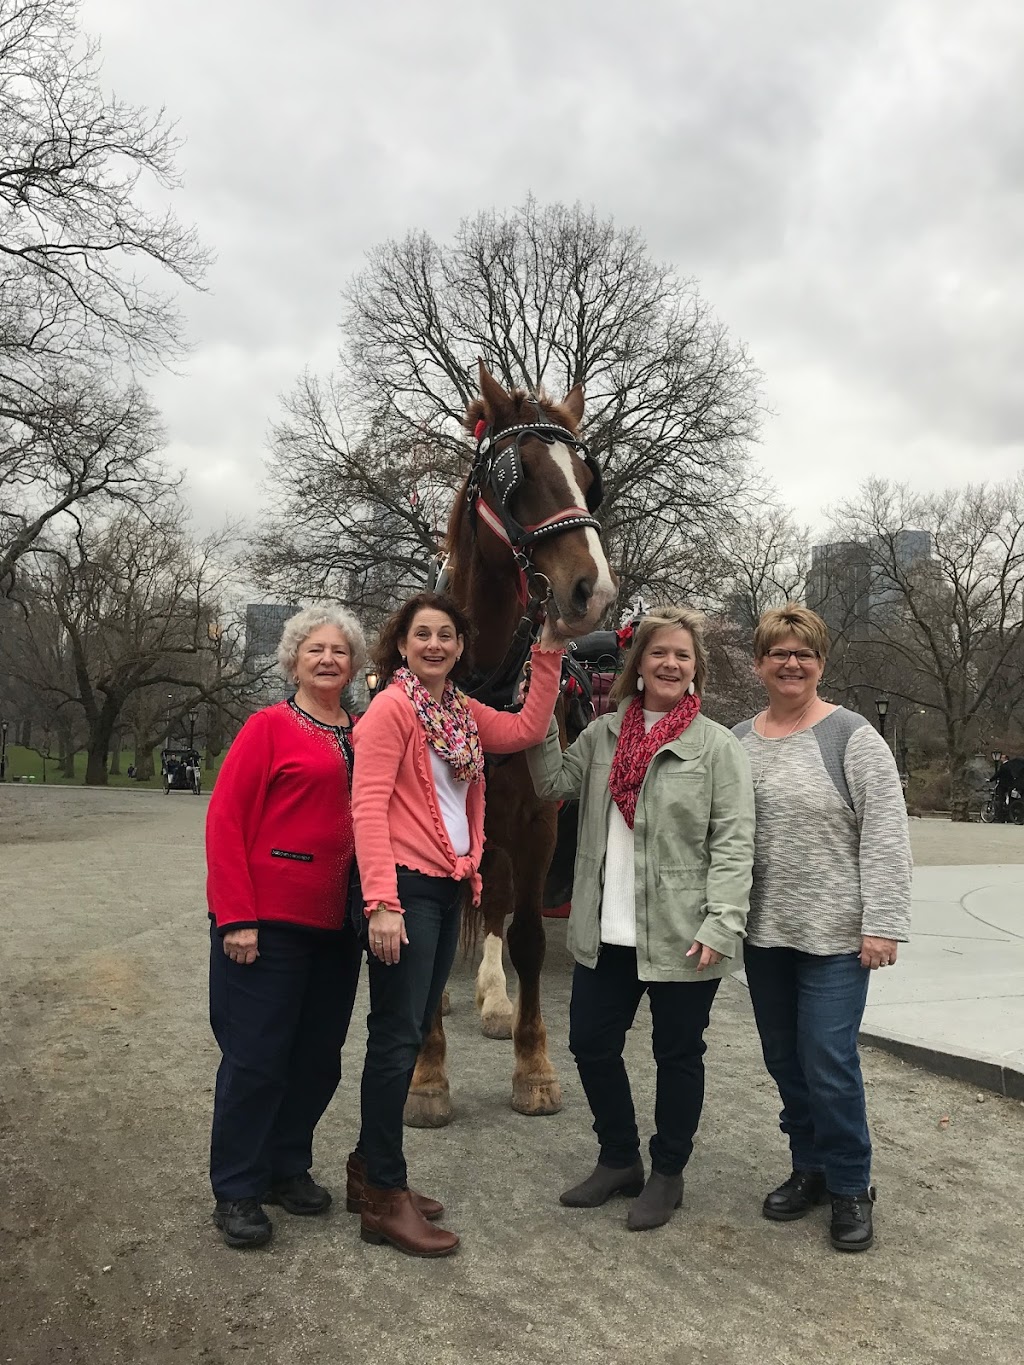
point(100, 735)
point(115, 754)
point(144, 767)
point(959, 794)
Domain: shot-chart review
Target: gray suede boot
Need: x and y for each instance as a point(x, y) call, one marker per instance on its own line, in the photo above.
point(605, 1181)
point(661, 1196)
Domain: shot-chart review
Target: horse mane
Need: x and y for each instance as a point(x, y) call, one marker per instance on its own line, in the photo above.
point(476, 412)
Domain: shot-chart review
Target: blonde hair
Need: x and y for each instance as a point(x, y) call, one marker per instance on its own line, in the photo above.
point(300, 626)
point(792, 619)
point(662, 618)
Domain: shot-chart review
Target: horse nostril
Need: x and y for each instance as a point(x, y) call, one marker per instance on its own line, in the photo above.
point(581, 594)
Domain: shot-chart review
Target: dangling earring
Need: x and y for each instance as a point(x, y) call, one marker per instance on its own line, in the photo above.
point(639, 683)
point(405, 661)
point(690, 688)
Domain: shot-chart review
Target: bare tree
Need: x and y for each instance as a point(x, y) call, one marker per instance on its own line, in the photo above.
point(940, 625)
point(78, 256)
point(137, 602)
point(364, 465)
point(764, 557)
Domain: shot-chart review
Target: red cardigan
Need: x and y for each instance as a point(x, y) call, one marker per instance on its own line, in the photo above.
point(279, 840)
point(395, 808)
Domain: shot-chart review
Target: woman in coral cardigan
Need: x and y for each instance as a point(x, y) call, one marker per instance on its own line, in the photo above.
point(418, 811)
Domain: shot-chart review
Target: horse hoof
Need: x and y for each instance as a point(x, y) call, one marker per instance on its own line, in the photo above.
point(536, 1098)
point(446, 1004)
point(497, 1023)
point(428, 1109)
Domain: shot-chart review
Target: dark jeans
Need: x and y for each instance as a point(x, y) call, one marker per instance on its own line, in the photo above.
point(603, 1006)
point(808, 1011)
point(280, 1023)
point(403, 1001)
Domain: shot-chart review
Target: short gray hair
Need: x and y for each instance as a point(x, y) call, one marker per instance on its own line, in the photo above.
point(300, 626)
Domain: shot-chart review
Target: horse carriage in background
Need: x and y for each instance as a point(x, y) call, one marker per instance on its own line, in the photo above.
point(180, 771)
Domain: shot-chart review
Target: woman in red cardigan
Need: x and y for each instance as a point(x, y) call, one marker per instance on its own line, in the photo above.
point(418, 806)
point(283, 962)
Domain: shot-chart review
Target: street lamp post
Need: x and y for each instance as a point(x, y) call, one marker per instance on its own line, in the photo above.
point(3, 750)
point(170, 700)
point(372, 679)
point(882, 707)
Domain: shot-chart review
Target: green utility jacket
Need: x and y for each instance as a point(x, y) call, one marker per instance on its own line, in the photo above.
point(694, 840)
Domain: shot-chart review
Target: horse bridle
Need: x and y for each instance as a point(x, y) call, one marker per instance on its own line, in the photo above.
point(498, 468)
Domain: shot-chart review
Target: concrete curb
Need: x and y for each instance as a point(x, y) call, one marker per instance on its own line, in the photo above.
point(1004, 1080)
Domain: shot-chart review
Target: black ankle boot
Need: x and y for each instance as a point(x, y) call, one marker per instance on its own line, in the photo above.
point(602, 1183)
point(851, 1228)
point(242, 1222)
point(795, 1197)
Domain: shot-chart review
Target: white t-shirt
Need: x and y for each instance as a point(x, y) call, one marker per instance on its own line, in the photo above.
point(451, 796)
point(618, 899)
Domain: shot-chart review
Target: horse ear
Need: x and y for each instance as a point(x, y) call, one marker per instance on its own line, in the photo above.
point(573, 403)
point(496, 400)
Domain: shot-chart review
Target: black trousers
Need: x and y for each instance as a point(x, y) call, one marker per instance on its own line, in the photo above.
point(280, 1023)
point(403, 1001)
point(601, 1012)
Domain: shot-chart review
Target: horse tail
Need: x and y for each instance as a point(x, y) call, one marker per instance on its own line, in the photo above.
point(470, 924)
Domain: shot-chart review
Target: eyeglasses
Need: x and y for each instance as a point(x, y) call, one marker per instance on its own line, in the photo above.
point(802, 656)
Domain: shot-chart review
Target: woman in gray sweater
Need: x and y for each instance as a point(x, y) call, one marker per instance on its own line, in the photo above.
point(830, 903)
point(659, 900)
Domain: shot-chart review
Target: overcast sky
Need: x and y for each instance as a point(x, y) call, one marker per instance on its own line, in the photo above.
point(844, 177)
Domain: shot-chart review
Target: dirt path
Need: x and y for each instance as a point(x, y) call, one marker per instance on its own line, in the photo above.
point(106, 1250)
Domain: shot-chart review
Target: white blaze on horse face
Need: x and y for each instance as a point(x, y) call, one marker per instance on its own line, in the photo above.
point(605, 591)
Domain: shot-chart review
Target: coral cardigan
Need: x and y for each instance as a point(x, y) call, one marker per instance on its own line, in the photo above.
point(279, 840)
point(395, 809)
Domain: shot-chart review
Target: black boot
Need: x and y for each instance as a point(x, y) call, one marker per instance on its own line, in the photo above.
point(661, 1196)
point(242, 1222)
point(602, 1183)
point(851, 1228)
point(299, 1194)
point(795, 1197)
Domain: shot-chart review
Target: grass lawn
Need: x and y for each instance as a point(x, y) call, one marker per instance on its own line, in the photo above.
point(26, 763)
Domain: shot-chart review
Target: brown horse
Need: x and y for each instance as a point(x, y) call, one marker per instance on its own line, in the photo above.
point(521, 529)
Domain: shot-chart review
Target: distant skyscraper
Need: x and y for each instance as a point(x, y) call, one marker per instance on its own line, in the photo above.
point(849, 586)
point(264, 622)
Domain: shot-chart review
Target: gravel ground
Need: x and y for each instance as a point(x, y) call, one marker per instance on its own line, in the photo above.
point(107, 1253)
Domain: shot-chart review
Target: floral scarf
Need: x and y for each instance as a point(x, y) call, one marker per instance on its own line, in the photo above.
point(449, 726)
point(635, 749)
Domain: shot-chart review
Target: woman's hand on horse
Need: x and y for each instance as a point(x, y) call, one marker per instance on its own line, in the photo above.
point(708, 956)
point(550, 637)
point(241, 945)
point(387, 934)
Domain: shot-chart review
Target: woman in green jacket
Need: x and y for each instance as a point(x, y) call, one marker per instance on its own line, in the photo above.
point(659, 901)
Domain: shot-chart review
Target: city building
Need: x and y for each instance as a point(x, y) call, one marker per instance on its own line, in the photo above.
point(264, 622)
point(850, 586)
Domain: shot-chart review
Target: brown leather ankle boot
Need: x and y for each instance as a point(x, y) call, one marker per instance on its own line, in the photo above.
point(355, 1190)
point(391, 1216)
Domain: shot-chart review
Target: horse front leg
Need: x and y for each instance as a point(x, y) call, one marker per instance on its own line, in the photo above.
point(429, 1103)
point(491, 987)
point(535, 1087)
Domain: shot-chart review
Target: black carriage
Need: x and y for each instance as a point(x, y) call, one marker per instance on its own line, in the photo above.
point(180, 771)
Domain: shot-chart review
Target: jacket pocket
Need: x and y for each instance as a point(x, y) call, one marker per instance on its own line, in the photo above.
point(295, 857)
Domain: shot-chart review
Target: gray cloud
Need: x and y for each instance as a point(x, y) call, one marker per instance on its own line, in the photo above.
point(845, 179)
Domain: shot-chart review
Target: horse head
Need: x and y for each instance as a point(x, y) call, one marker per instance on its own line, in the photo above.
point(534, 489)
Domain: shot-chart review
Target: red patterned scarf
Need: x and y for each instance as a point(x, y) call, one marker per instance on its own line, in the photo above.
point(635, 749)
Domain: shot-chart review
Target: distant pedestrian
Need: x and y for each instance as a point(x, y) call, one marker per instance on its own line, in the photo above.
point(283, 961)
point(659, 900)
point(830, 903)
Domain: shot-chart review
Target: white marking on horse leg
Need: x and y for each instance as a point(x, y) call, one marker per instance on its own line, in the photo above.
point(491, 991)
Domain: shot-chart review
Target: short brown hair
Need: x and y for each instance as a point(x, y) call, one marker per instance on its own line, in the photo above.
point(387, 655)
point(662, 618)
point(792, 619)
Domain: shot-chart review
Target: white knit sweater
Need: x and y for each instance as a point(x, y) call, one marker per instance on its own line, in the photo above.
point(618, 899)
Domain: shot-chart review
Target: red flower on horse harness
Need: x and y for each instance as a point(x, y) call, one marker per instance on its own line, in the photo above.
point(625, 635)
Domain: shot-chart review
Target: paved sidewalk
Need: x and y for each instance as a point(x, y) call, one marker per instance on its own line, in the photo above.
point(955, 1000)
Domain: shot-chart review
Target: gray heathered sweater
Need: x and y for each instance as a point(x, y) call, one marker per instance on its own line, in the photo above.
point(832, 857)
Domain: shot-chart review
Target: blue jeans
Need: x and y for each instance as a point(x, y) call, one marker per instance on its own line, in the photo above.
point(808, 1011)
point(403, 1001)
